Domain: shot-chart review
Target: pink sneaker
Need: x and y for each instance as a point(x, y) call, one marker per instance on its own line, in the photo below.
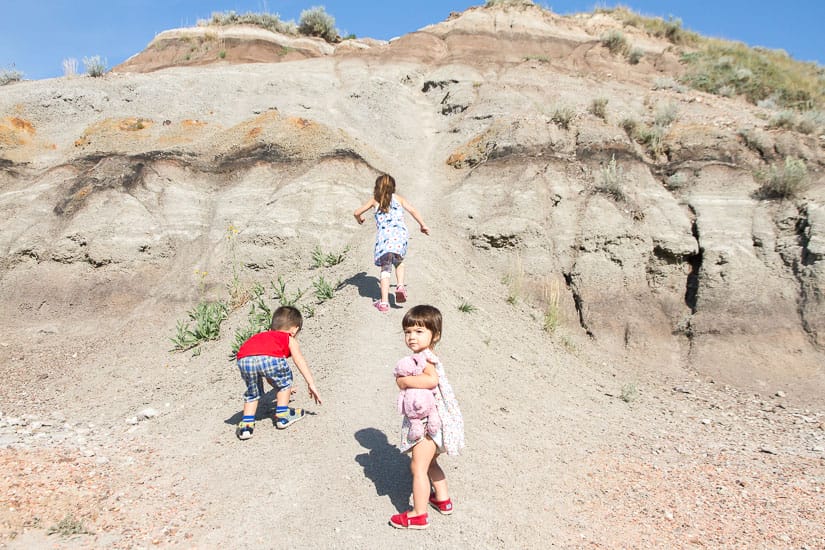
point(383, 307)
point(400, 294)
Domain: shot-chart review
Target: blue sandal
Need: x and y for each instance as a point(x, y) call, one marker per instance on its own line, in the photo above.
point(290, 417)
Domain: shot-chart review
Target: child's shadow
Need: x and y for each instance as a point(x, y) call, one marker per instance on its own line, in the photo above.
point(266, 408)
point(386, 466)
point(367, 285)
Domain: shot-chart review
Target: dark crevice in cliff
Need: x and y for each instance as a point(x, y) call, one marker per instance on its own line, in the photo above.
point(577, 300)
point(808, 290)
point(695, 262)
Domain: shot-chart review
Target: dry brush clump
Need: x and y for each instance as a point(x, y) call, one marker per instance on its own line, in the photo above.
point(784, 182)
point(314, 21)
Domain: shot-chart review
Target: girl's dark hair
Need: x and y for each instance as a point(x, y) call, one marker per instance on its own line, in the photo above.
point(286, 317)
point(424, 316)
point(384, 188)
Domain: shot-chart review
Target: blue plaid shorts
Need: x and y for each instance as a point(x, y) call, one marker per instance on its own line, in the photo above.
point(257, 367)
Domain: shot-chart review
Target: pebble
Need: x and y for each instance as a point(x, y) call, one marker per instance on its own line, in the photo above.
point(147, 413)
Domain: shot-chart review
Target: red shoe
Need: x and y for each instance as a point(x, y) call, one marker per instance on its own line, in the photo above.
point(443, 506)
point(404, 521)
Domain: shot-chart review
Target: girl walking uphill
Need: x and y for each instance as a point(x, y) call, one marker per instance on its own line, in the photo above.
point(391, 236)
point(422, 331)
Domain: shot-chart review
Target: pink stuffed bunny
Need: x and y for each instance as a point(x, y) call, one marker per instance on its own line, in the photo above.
point(416, 403)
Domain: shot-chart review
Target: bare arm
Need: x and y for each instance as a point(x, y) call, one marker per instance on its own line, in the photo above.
point(414, 213)
point(427, 380)
point(359, 213)
point(303, 368)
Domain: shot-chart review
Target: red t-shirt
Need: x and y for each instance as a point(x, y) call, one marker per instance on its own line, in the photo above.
point(273, 343)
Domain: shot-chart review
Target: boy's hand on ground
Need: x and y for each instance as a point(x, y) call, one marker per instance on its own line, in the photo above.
point(313, 393)
point(425, 229)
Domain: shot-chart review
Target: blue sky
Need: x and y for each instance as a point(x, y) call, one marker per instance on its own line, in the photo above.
point(37, 35)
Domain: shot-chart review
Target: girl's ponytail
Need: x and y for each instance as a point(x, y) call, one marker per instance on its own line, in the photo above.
point(384, 188)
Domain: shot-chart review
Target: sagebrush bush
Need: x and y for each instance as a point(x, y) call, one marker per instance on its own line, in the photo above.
point(70, 67)
point(783, 119)
point(562, 117)
point(666, 114)
point(317, 22)
point(811, 122)
point(611, 180)
point(755, 73)
point(635, 55)
point(7, 76)
point(614, 41)
point(670, 29)
point(95, 66)
point(490, 3)
point(269, 21)
point(784, 182)
point(598, 107)
point(629, 126)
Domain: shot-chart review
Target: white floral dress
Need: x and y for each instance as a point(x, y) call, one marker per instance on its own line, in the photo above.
point(450, 438)
point(391, 232)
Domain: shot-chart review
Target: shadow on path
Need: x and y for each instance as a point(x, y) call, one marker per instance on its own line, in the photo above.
point(367, 285)
point(386, 466)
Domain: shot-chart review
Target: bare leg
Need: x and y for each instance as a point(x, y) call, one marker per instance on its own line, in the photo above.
point(249, 407)
point(438, 480)
point(422, 456)
point(282, 397)
point(385, 286)
point(399, 274)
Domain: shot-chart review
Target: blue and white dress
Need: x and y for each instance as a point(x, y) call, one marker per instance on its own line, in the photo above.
point(391, 232)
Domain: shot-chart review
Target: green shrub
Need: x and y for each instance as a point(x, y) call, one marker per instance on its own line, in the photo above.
point(652, 137)
point(268, 21)
point(811, 122)
point(611, 180)
point(784, 182)
point(629, 393)
point(598, 107)
point(327, 259)
point(676, 181)
point(466, 307)
point(68, 526)
point(668, 83)
point(629, 125)
point(666, 114)
point(670, 29)
point(755, 73)
point(95, 66)
point(614, 41)
point(562, 117)
point(7, 76)
point(317, 22)
point(204, 324)
point(635, 55)
point(323, 290)
point(491, 3)
point(281, 295)
point(783, 119)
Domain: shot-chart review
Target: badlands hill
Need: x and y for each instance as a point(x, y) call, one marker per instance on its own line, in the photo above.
point(634, 329)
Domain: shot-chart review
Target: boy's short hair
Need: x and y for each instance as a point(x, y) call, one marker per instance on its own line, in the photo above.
point(286, 317)
point(425, 316)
